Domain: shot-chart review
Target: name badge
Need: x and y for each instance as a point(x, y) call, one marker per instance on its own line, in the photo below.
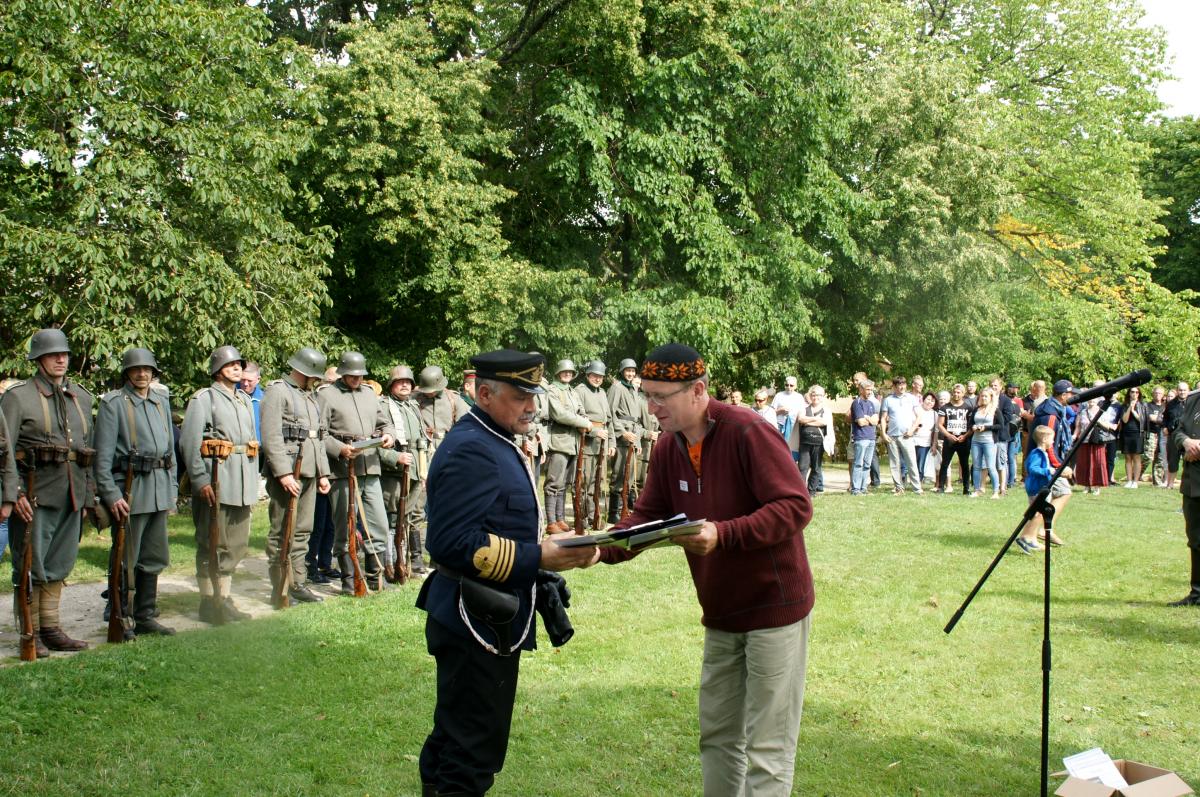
point(683, 486)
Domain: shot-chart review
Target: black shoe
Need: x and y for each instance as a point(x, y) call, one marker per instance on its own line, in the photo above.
point(302, 594)
point(317, 577)
point(232, 613)
point(151, 626)
point(1192, 599)
point(332, 573)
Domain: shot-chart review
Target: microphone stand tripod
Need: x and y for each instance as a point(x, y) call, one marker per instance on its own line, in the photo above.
point(1039, 506)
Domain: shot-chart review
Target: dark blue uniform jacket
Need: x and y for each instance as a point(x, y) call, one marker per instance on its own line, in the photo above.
point(483, 522)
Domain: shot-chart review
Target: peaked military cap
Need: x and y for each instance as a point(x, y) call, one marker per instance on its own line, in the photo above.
point(517, 368)
point(674, 362)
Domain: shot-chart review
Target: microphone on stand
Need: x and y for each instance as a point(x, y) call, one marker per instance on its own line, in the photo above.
point(1139, 377)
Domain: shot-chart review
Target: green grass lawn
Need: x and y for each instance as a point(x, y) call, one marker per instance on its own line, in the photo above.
point(337, 698)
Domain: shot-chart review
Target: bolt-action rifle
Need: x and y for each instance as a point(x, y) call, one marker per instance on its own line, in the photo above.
point(360, 584)
point(25, 584)
point(578, 495)
point(117, 577)
point(283, 581)
point(401, 567)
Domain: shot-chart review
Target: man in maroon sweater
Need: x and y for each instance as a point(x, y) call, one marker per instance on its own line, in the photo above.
point(728, 465)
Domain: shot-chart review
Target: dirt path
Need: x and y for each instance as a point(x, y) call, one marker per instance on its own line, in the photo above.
point(179, 599)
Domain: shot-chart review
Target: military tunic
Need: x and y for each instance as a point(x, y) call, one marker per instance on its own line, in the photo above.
point(410, 437)
point(356, 415)
point(650, 430)
point(484, 524)
point(626, 419)
point(39, 413)
point(225, 414)
point(439, 412)
point(565, 420)
point(595, 406)
point(291, 421)
point(10, 479)
point(131, 430)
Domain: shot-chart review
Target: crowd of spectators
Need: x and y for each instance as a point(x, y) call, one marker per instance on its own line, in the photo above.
point(989, 429)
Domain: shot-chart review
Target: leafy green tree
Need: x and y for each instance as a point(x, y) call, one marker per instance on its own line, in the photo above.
point(1173, 175)
point(142, 195)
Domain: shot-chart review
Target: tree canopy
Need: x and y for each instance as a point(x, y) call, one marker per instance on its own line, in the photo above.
point(956, 187)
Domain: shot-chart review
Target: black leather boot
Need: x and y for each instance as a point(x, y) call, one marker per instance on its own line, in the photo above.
point(145, 600)
point(347, 570)
point(1193, 597)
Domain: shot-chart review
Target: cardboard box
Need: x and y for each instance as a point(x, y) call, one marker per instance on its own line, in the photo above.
point(1144, 781)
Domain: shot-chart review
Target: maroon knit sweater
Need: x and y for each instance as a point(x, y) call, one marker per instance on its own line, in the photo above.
point(758, 575)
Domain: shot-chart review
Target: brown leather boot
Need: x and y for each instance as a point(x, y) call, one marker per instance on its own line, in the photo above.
point(56, 639)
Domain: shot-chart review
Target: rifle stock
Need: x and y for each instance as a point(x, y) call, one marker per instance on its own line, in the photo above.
point(116, 570)
point(28, 645)
point(597, 489)
point(401, 567)
point(283, 583)
point(360, 584)
point(577, 498)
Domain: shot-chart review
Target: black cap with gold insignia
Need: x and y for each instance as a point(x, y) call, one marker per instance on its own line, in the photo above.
point(514, 367)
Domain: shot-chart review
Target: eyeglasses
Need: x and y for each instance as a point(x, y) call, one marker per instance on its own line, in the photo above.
point(661, 398)
point(759, 400)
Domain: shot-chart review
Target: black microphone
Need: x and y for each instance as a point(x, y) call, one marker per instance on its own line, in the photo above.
point(1139, 377)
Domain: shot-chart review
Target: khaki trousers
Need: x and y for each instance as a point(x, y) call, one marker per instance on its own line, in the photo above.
point(751, 699)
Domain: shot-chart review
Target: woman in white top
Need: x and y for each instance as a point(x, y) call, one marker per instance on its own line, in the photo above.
point(923, 434)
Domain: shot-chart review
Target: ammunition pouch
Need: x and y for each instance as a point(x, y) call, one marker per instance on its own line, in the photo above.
point(45, 455)
point(295, 433)
point(250, 448)
point(212, 448)
point(142, 463)
point(553, 598)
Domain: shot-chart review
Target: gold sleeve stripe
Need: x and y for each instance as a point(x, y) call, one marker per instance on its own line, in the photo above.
point(495, 560)
point(510, 557)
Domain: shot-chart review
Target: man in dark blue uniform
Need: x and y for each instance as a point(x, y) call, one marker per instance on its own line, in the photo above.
point(484, 537)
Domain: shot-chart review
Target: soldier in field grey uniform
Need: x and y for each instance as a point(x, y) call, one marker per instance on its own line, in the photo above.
point(440, 407)
point(595, 406)
point(134, 435)
point(48, 421)
point(408, 459)
point(223, 416)
point(291, 422)
point(565, 419)
point(352, 412)
point(627, 423)
point(650, 430)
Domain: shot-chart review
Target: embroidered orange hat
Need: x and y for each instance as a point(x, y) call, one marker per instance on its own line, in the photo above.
point(673, 362)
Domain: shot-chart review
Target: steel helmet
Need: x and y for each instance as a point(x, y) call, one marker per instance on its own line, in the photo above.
point(352, 364)
point(595, 367)
point(398, 373)
point(223, 356)
point(565, 365)
point(309, 362)
point(136, 358)
point(432, 379)
point(627, 363)
point(48, 341)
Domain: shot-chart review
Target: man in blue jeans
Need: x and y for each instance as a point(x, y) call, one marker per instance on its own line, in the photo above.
point(864, 418)
point(1013, 392)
